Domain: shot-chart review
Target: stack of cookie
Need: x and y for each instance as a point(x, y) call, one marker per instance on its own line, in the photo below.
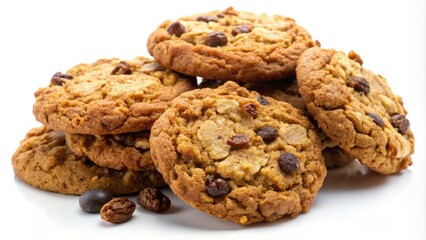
point(97, 119)
point(251, 144)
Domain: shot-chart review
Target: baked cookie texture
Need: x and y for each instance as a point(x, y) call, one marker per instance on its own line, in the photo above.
point(118, 151)
point(230, 45)
point(356, 108)
point(109, 96)
point(238, 156)
point(44, 161)
point(286, 90)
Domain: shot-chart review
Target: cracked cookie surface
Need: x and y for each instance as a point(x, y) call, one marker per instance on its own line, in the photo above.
point(44, 161)
point(109, 96)
point(287, 91)
point(118, 151)
point(227, 153)
point(230, 45)
point(356, 108)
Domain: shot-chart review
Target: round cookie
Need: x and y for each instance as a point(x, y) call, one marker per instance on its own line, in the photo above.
point(288, 91)
point(230, 45)
point(356, 108)
point(44, 161)
point(238, 156)
point(109, 96)
point(119, 151)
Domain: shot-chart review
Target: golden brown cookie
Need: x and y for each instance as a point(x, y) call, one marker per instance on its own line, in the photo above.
point(118, 151)
point(109, 96)
point(230, 45)
point(238, 156)
point(356, 108)
point(44, 161)
point(287, 90)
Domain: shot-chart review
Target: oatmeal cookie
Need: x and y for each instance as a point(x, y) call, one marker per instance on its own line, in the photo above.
point(44, 161)
point(238, 156)
point(356, 108)
point(109, 96)
point(118, 151)
point(230, 45)
point(288, 91)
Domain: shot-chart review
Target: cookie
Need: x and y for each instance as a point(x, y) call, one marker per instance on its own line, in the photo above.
point(230, 45)
point(288, 91)
point(44, 161)
point(109, 96)
point(238, 156)
point(119, 151)
point(356, 108)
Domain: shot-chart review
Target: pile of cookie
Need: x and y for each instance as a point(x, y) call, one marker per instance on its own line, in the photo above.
point(251, 142)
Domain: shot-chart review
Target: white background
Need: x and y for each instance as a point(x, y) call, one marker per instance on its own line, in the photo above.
point(39, 38)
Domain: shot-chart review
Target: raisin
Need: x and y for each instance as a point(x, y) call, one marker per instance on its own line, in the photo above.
point(400, 122)
point(238, 141)
point(251, 109)
point(92, 201)
point(241, 29)
point(215, 39)
point(176, 29)
point(217, 187)
point(58, 78)
point(376, 119)
point(288, 163)
point(153, 200)
point(122, 68)
point(359, 84)
point(263, 100)
point(267, 133)
point(206, 19)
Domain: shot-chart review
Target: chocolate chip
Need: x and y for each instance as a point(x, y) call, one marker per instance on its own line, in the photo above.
point(217, 187)
point(215, 39)
point(122, 68)
point(118, 210)
point(238, 141)
point(376, 119)
point(263, 100)
point(251, 109)
point(153, 200)
point(288, 163)
point(400, 122)
point(206, 19)
point(176, 29)
point(58, 78)
point(92, 201)
point(267, 133)
point(241, 29)
point(359, 84)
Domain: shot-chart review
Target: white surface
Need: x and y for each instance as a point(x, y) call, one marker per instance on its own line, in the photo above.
point(39, 38)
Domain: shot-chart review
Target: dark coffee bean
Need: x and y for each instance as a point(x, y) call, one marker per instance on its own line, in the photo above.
point(215, 39)
point(251, 109)
point(153, 200)
point(176, 28)
point(238, 141)
point(241, 29)
point(217, 187)
point(206, 19)
point(262, 101)
point(93, 200)
point(58, 78)
point(400, 122)
point(122, 68)
point(288, 163)
point(267, 133)
point(118, 210)
point(359, 84)
point(376, 119)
